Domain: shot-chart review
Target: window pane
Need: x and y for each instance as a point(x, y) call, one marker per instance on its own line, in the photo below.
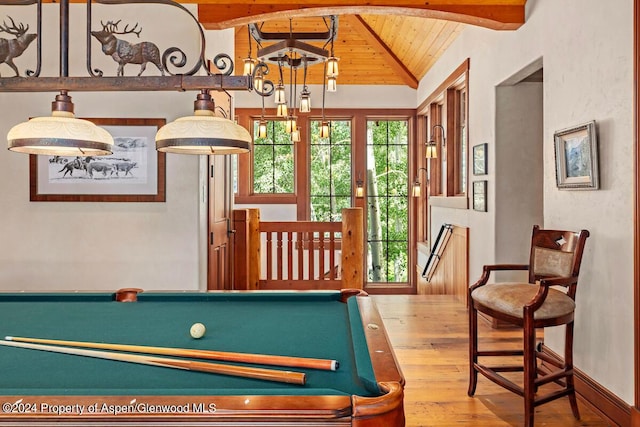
point(330, 187)
point(273, 160)
point(463, 144)
point(387, 234)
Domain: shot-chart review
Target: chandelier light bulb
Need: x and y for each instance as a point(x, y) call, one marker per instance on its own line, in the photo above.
point(280, 95)
point(332, 67)
point(249, 66)
point(305, 101)
point(324, 130)
point(332, 84)
point(291, 125)
point(282, 110)
point(262, 129)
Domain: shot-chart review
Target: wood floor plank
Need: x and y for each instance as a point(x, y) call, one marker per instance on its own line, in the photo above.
point(429, 334)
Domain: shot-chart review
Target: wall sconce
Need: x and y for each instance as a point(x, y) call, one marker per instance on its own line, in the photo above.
point(417, 188)
point(431, 148)
point(359, 186)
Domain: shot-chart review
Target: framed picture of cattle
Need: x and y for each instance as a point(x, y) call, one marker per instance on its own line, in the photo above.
point(134, 172)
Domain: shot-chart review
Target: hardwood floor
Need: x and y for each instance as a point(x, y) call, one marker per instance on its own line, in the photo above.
point(429, 334)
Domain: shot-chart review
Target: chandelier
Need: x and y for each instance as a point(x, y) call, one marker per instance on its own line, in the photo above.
point(292, 51)
point(63, 134)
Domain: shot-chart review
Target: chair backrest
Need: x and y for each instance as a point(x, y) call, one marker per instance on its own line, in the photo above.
point(556, 253)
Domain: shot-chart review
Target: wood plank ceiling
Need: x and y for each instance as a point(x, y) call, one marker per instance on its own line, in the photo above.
point(377, 43)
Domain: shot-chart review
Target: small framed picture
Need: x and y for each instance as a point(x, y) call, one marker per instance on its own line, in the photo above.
point(576, 151)
point(480, 159)
point(480, 196)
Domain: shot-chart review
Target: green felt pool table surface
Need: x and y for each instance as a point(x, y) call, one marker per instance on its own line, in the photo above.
point(325, 325)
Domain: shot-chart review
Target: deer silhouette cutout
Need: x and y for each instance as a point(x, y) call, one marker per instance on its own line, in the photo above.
point(124, 52)
point(12, 48)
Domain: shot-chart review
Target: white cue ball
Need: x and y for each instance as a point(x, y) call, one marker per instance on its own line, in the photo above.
point(197, 330)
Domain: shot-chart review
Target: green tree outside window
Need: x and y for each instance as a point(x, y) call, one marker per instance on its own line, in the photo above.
point(388, 213)
point(273, 160)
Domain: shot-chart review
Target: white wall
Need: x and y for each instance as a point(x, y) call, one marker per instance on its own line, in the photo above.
point(586, 48)
point(105, 246)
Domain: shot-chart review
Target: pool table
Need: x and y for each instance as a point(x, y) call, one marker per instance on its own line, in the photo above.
point(43, 388)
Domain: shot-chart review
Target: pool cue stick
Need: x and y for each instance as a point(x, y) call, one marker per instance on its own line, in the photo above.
point(214, 368)
point(260, 359)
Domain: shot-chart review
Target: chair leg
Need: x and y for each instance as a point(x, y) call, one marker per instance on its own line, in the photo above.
point(568, 362)
point(530, 371)
point(473, 348)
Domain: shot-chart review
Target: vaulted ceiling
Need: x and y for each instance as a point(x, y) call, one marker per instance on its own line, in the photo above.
point(391, 43)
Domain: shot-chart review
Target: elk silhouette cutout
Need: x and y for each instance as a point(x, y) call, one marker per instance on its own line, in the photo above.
point(124, 52)
point(12, 48)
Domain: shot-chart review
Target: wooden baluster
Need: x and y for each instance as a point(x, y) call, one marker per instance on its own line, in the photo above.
point(300, 246)
point(289, 255)
point(311, 256)
point(269, 256)
point(279, 254)
point(321, 272)
point(332, 255)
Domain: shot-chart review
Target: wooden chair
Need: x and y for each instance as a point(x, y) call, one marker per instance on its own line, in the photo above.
point(554, 261)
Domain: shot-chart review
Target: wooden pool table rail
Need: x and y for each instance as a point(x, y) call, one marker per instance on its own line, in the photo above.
point(386, 410)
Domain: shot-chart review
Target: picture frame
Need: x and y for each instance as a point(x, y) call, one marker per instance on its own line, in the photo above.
point(576, 156)
point(135, 172)
point(480, 196)
point(480, 159)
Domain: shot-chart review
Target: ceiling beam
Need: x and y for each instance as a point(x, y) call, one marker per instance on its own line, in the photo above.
point(493, 14)
point(366, 32)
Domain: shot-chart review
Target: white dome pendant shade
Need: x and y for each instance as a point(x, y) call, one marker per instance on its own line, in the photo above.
point(60, 134)
point(203, 133)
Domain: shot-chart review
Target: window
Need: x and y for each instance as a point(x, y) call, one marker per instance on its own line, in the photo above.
point(330, 159)
point(273, 160)
point(461, 131)
point(370, 148)
point(388, 213)
point(446, 118)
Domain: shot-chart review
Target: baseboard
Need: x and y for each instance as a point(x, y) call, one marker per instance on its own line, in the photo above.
point(600, 400)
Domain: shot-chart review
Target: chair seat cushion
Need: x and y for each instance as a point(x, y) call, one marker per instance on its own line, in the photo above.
point(510, 298)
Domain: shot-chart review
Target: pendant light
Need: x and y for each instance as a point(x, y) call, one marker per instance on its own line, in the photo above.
point(60, 134)
point(332, 62)
point(305, 95)
point(249, 62)
point(203, 133)
point(262, 125)
point(324, 126)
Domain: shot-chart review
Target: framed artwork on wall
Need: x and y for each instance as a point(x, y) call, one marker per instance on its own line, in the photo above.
point(480, 196)
point(135, 172)
point(480, 159)
point(576, 151)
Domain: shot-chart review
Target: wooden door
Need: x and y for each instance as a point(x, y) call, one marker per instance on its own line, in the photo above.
point(220, 273)
point(220, 205)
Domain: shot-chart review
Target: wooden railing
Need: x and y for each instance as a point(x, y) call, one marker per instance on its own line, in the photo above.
point(298, 254)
